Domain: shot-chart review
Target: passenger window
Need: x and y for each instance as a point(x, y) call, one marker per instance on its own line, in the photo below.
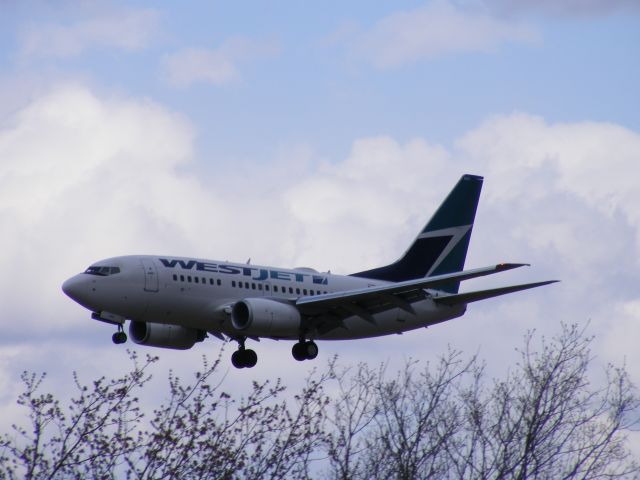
point(290, 290)
point(253, 286)
point(182, 278)
point(175, 277)
point(219, 282)
point(189, 279)
point(266, 287)
point(259, 286)
point(310, 292)
point(233, 283)
point(246, 285)
point(304, 291)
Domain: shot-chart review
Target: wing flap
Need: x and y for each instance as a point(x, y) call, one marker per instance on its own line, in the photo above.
point(469, 297)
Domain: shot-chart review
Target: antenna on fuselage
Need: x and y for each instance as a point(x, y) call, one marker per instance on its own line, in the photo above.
point(249, 261)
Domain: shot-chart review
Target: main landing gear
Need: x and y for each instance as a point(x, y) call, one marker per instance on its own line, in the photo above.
point(119, 337)
point(244, 357)
point(304, 350)
point(247, 358)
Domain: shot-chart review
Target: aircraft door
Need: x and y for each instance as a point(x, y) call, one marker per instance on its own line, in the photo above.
point(151, 282)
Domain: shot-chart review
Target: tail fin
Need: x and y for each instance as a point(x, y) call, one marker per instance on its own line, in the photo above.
point(441, 247)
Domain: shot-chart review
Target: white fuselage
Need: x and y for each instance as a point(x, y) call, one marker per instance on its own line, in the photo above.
point(199, 294)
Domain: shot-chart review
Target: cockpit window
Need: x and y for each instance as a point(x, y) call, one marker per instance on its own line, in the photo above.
point(102, 271)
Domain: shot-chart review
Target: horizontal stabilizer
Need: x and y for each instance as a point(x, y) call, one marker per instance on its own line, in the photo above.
point(484, 294)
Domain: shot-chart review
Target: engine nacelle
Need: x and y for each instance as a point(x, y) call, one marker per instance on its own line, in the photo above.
point(264, 317)
point(164, 336)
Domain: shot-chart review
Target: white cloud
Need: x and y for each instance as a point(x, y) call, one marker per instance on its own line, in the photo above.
point(215, 66)
point(621, 342)
point(126, 29)
point(587, 162)
point(566, 196)
point(374, 190)
point(564, 7)
point(436, 29)
point(85, 177)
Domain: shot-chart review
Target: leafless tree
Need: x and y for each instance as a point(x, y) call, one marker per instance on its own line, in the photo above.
point(395, 427)
point(204, 433)
point(84, 438)
point(200, 432)
point(350, 418)
point(545, 419)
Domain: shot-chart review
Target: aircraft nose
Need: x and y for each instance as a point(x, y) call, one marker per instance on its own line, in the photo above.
point(76, 288)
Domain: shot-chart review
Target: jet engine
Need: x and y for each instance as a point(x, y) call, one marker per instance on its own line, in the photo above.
point(165, 336)
point(264, 317)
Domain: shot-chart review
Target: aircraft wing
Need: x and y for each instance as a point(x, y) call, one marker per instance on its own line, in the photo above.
point(327, 312)
point(317, 304)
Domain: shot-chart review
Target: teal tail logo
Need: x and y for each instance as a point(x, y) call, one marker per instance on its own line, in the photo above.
point(441, 247)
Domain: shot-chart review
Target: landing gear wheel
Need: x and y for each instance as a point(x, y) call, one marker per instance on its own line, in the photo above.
point(304, 351)
point(251, 358)
point(311, 350)
point(119, 337)
point(244, 358)
point(237, 359)
point(298, 352)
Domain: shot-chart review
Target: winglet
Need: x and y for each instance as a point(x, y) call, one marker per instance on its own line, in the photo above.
point(503, 267)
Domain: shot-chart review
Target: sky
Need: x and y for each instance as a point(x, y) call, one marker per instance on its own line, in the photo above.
point(320, 135)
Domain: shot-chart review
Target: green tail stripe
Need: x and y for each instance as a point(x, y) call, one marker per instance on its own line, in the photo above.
point(454, 262)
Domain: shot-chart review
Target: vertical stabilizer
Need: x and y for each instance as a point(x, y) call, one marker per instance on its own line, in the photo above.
point(441, 247)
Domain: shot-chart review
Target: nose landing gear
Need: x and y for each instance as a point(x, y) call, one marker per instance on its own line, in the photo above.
point(119, 337)
point(244, 357)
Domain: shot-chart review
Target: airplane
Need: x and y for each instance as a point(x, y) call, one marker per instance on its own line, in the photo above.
point(176, 302)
